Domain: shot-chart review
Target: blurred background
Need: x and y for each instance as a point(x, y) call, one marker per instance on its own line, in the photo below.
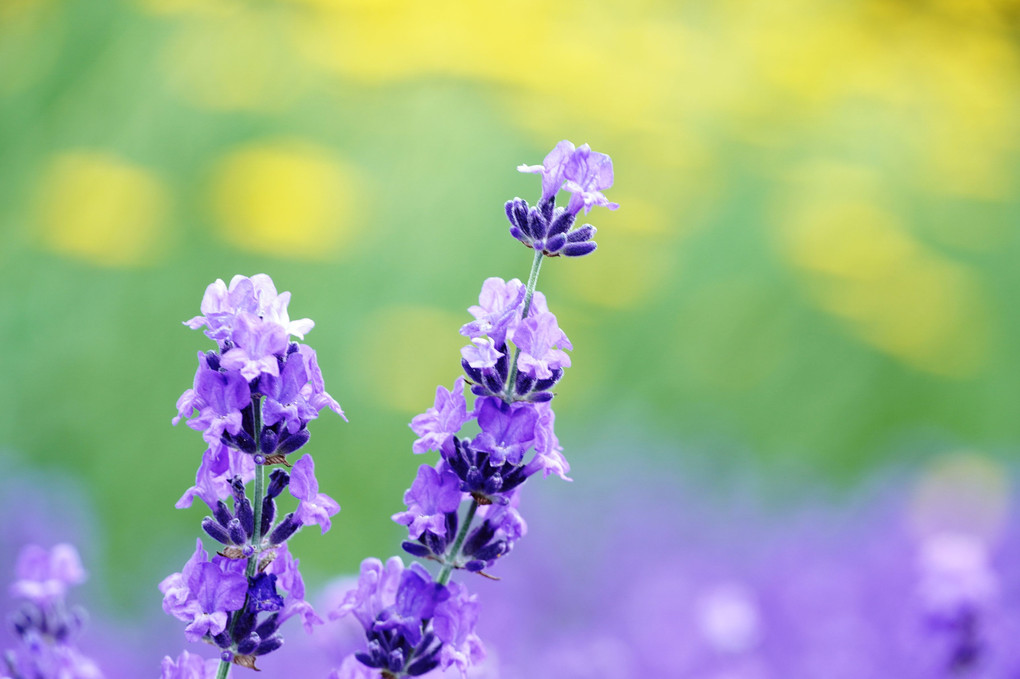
point(806, 303)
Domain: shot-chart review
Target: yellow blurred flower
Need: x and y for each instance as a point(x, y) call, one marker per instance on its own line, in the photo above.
point(287, 198)
point(101, 208)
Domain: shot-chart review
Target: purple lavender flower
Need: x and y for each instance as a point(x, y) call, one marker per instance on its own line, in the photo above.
point(398, 608)
point(44, 624)
point(481, 353)
point(549, 229)
point(254, 397)
point(508, 430)
point(220, 465)
point(552, 169)
point(587, 173)
point(203, 593)
point(540, 338)
point(497, 311)
point(432, 495)
point(314, 507)
point(440, 422)
point(431, 623)
point(256, 296)
point(256, 345)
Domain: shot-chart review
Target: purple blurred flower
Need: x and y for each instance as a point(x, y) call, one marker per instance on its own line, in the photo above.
point(44, 624)
point(44, 576)
point(454, 624)
point(429, 498)
point(188, 666)
point(314, 507)
point(444, 419)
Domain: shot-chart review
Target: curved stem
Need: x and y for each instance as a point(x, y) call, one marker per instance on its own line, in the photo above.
point(536, 266)
point(444, 575)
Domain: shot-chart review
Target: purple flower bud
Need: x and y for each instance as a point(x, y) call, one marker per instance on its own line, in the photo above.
point(284, 530)
point(216, 531)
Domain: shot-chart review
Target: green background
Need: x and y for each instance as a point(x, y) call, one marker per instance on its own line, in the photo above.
point(811, 279)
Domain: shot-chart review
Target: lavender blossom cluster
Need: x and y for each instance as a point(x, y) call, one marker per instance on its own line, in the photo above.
point(252, 400)
point(415, 622)
point(46, 627)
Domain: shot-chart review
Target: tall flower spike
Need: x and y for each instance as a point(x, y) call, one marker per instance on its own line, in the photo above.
point(414, 623)
point(254, 397)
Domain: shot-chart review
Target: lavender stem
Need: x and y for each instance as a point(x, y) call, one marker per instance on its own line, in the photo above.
point(444, 575)
point(536, 266)
point(256, 538)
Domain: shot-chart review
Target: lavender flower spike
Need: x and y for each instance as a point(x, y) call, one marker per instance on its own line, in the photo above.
point(548, 229)
point(254, 397)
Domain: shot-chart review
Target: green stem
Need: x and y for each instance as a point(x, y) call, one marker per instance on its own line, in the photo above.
point(536, 266)
point(444, 575)
point(256, 537)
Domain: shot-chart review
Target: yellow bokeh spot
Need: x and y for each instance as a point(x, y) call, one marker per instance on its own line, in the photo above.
point(285, 198)
point(404, 352)
point(101, 208)
point(864, 266)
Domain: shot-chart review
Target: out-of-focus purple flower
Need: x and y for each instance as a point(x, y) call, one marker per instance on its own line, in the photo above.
point(507, 430)
point(429, 498)
point(587, 173)
point(540, 340)
point(376, 589)
point(454, 624)
point(481, 353)
point(44, 624)
point(553, 168)
point(314, 507)
point(955, 574)
point(188, 666)
point(444, 419)
point(44, 576)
